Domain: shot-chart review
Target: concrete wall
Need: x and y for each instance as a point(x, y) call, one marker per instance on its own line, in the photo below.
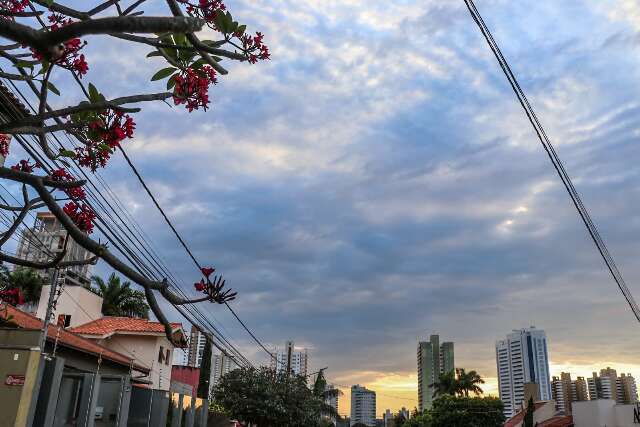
point(594, 413)
point(82, 304)
point(16, 358)
point(146, 349)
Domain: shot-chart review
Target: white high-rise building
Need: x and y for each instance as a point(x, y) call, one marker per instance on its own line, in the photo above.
point(197, 341)
point(181, 357)
point(522, 358)
point(363, 406)
point(220, 366)
point(297, 360)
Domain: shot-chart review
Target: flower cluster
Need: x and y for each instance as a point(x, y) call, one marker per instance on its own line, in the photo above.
point(67, 55)
point(12, 296)
point(103, 136)
point(62, 175)
point(192, 87)
point(202, 285)
point(205, 9)
point(12, 6)
point(4, 144)
point(81, 215)
point(25, 166)
point(254, 47)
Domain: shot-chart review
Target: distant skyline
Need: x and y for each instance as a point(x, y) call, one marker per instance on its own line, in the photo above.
point(376, 181)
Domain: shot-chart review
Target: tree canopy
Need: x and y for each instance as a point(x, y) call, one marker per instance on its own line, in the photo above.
point(119, 299)
point(453, 411)
point(266, 398)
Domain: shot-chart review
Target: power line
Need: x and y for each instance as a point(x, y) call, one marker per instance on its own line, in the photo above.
point(555, 159)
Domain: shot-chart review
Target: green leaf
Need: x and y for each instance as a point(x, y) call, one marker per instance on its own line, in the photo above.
point(171, 82)
point(154, 53)
point(94, 95)
point(52, 88)
point(179, 39)
point(216, 43)
point(23, 64)
point(241, 29)
point(165, 72)
point(198, 64)
point(220, 20)
point(67, 153)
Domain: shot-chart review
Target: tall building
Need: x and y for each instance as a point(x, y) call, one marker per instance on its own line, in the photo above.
point(363, 406)
point(197, 341)
point(608, 385)
point(45, 240)
point(522, 358)
point(296, 360)
point(388, 418)
point(220, 366)
point(333, 399)
point(566, 391)
point(433, 359)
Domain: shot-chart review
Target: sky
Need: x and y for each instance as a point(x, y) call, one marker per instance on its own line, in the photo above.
point(376, 182)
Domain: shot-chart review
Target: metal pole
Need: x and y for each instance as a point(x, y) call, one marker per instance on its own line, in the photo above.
point(49, 313)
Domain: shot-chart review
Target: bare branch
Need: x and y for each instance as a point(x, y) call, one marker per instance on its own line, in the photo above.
point(33, 264)
point(20, 14)
point(55, 7)
point(44, 41)
point(11, 76)
point(26, 125)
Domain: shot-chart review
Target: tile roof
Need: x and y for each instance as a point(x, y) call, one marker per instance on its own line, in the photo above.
point(560, 421)
point(109, 325)
point(66, 338)
point(11, 100)
point(519, 417)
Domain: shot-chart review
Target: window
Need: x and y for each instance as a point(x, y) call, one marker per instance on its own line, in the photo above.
point(167, 359)
point(161, 355)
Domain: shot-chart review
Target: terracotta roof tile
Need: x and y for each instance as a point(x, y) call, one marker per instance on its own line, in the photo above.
point(66, 338)
point(561, 421)
point(110, 325)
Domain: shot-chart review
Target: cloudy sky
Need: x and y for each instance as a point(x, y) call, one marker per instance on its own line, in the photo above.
point(376, 181)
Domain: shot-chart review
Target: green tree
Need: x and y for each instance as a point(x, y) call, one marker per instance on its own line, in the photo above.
point(452, 411)
point(119, 299)
point(528, 416)
point(399, 420)
point(266, 398)
point(205, 371)
point(419, 420)
point(468, 382)
point(447, 384)
point(323, 394)
point(23, 278)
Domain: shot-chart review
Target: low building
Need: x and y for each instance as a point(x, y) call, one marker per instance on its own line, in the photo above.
point(142, 338)
point(544, 414)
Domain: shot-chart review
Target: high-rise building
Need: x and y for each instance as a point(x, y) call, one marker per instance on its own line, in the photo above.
point(608, 385)
point(433, 359)
point(566, 391)
point(388, 418)
point(333, 400)
point(181, 357)
point(45, 240)
point(363, 406)
point(297, 361)
point(522, 358)
point(220, 366)
point(197, 342)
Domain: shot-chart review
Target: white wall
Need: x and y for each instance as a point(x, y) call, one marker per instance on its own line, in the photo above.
point(594, 413)
point(82, 304)
point(145, 349)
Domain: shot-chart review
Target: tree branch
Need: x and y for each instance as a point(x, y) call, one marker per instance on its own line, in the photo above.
point(24, 125)
point(44, 41)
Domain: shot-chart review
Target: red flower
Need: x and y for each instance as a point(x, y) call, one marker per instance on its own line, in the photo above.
point(25, 166)
point(76, 193)
point(103, 137)
point(4, 144)
point(200, 286)
point(13, 6)
point(67, 55)
point(12, 296)
point(207, 271)
point(81, 215)
point(192, 87)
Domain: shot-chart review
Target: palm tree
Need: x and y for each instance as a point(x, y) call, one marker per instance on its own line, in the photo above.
point(447, 384)
point(119, 299)
point(468, 382)
point(323, 394)
point(29, 283)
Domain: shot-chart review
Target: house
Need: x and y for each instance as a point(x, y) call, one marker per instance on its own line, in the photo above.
point(143, 339)
point(82, 380)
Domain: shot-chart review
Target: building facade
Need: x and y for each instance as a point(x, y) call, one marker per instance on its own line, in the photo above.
point(433, 359)
point(608, 385)
point(522, 358)
point(197, 342)
point(297, 361)
point(45, 240)
point(565, 391)
point(220, 366)
point(363, 406)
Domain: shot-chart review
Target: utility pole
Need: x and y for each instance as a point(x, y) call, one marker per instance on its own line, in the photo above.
point(289, 355)
point(49, 313)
